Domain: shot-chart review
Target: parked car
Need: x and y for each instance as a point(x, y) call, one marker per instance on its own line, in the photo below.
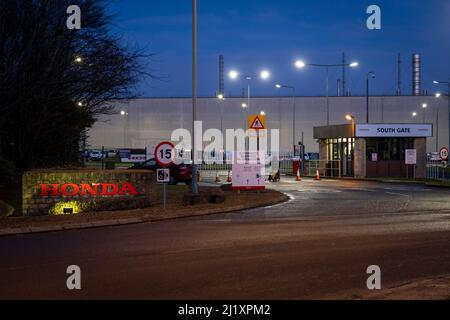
point(178, 173)
point(95, 155)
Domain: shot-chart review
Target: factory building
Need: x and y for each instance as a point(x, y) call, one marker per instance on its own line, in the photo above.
point(148, 121)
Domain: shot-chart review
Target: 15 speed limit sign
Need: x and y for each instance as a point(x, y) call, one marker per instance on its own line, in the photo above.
point(165, 154)
point(443, 153)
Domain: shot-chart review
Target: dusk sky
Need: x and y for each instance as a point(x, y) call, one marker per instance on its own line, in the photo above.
point(269, 34)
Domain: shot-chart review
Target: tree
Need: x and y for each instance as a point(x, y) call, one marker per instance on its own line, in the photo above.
point(56, 82)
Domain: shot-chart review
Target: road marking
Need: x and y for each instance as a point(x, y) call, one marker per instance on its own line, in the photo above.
point(320, 191)
point(361, 189)
point(398, 194)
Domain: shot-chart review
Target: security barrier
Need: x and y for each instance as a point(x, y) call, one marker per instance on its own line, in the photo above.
point(438, 170)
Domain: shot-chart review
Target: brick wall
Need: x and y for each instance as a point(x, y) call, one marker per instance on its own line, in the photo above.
point(34, 204)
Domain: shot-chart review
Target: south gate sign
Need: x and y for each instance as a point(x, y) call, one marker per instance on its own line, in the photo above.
point(394, 130)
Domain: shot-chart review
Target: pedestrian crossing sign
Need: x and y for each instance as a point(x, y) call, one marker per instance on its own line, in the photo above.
point(257, 122)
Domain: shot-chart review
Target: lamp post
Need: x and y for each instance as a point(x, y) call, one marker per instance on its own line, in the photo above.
point(234, 75)
point(447, 83)
point(194, 94)
point(244, 107)
point(124, 114)
point(221, 98)
point(424, 107)
point(280, 86)
point(371, 74)
point(351, 118)
point(300, 64)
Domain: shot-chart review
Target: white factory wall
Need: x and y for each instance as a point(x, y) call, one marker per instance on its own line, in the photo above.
point(152, 120)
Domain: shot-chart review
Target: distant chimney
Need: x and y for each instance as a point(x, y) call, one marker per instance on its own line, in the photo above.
point(417, 74)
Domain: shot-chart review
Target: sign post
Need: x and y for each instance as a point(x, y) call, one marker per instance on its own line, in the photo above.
point(257, 123)
point(443, 153)
point(411, 160)
point(165, 156)
point(163, 176)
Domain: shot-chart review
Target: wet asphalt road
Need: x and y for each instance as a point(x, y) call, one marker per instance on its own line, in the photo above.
point(318, 245)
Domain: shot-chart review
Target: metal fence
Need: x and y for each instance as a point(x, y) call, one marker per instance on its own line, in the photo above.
point(438, 170)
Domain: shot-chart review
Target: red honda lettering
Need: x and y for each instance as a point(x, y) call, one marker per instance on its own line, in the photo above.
point(46, 188)
point(75, 190)
point(106, 189)
point(87, 188)
point(128, 188)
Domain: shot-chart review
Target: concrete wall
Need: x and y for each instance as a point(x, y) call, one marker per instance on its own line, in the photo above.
point(34, 204)
point(151, 120)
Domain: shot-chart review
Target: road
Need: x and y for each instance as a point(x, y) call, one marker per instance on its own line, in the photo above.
point(318, 245)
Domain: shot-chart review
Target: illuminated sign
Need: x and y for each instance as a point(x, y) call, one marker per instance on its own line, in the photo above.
point(394, 130)
point(100, 189)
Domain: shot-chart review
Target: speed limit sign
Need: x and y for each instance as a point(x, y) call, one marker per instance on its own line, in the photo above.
point(444, 154)
point(165, 154)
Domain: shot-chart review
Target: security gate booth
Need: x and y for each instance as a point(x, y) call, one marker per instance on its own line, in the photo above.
point(373, 150)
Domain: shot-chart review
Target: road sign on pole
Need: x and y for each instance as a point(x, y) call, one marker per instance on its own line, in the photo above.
point(411, 156)
point(443, 153)
point(165, 154)
point(257, 122)
point(163, 176)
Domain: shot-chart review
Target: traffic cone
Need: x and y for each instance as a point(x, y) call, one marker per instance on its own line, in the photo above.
point(317, 175)
point(229, 180)
point(298, 177)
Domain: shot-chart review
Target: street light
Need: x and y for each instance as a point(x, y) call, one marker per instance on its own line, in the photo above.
point(414, 114)
point(265, 75)
point(124, 114)
point(351, 118)
point(221, 98)
point(300, 64)
point(263, 113)
point(447, 83)
point(234, 75)
point(371, 74)
point(78, 59)
point(280, 86)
